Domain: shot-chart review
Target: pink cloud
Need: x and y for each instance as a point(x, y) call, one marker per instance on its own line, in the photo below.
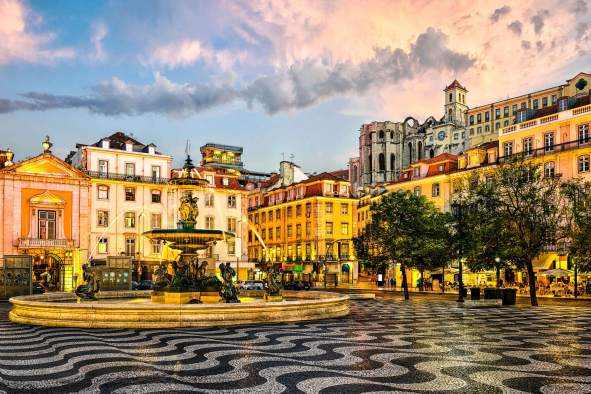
point(18, 43)
point(188, 52)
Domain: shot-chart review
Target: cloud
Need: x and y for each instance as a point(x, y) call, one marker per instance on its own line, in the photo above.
point(302, 84)
point(499, 13)
point(188, 52)
point(99, 33)
point(538, 20)
point(525, 44)
point(19, 44)
point(516, 27)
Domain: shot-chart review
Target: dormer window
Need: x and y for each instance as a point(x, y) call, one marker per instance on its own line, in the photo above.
point(441, 167)
point(151, 150)
point(225, 181)
point(105, 144)
point(129, 146)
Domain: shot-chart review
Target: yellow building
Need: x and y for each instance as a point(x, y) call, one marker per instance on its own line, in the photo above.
point(306, 228)
point(486, 121)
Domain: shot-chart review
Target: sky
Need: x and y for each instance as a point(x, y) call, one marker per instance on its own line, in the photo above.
point(276, 77)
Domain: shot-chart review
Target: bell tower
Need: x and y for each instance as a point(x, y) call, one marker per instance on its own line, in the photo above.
point(455, 103)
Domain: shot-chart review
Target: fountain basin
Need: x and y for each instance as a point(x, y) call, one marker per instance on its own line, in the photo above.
point(113, 309)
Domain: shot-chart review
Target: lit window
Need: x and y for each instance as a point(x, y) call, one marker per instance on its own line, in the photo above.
point(225, 181)
point(103, 245)
point(328, 207)
point(289, 232)
point(130, 219)
point(344, 228)
point(344, 209)
point(328, 228)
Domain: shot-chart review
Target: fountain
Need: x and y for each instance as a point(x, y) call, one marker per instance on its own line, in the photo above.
point(188, 293)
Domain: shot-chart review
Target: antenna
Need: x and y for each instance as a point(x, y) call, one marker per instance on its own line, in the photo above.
point(282, 156)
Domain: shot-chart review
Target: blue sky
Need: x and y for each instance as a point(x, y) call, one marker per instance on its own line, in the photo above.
point(271, 76)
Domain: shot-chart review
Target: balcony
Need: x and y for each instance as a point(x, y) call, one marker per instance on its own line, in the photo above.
point(543, 151)
point(37, 243)
point(548, 119)
point(127, 178)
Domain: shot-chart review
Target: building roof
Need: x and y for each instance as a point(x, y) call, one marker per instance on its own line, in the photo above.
point(342, 174)
point(455, 84)
point(118, 140)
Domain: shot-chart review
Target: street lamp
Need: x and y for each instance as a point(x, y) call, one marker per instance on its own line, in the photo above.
point(457, 210)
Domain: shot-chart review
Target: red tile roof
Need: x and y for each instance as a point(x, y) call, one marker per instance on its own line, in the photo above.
point(455, 84)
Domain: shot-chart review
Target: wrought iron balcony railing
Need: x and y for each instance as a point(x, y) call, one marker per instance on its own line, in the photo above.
point(127, 178)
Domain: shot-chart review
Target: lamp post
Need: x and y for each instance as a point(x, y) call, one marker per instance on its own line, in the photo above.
point(457, 210)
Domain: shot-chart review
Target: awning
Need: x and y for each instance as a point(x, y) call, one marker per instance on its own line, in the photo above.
point(557, 272)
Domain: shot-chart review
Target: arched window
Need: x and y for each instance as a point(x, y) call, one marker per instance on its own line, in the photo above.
point(381, 134)
point(410, 152)
point(419, 150)
point(381, 162)
point(391, 135)
point(392, 162)
point(450, 97)
point(431, 153)
point(449, 112)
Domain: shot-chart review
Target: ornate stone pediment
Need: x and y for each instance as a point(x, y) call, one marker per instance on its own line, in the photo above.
point(46, 198)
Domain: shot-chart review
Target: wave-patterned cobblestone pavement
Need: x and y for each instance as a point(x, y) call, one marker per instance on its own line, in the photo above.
point(384, 346)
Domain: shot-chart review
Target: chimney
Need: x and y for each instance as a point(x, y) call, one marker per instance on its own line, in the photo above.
point(286, 173)
point(106, 143)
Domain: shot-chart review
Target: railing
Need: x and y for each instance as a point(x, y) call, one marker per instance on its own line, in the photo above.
point(127, 178)
point(561, 115)
point(543, 151)
point(45, 243)
point(224, 147)
point(215, 160)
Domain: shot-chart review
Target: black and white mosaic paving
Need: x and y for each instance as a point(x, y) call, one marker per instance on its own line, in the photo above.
point(383, 346)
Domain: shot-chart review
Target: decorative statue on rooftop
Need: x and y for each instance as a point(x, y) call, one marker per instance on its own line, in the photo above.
point(228, 292)
point(87, 291)
point(188, 211)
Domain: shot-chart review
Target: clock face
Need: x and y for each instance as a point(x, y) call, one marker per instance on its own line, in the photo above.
point(441, 135)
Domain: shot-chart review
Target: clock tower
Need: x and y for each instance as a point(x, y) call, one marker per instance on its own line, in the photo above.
point(455, 104)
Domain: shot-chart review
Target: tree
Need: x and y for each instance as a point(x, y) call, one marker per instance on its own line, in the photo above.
point(529, 208)
point(368, 250)
point(576, 224)
point(403, 225)
point(581, 83)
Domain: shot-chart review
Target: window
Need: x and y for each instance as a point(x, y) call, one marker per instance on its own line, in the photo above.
point(479, 130)
point(263, 217)
point(210, 179)
point(277, 233)
point(308, 210)
point(505, 111)
point(549, 169)
point(102, 192)
point(417, 191)
point(549, 142)
point(278, 214)
point(156, 220)
point(298, 231)
point(441, 167)
point(308, 229)
point(479, 118)
point(130, 169)
point(435, 190)
point(508, 148)
point(209, 200)
point(209, 222)
point(156, 196)
point(486, 128)
point(256, 218)
point(554, 99)
point(289, 211)
point(328, 228)
point(584, 134)
point(563, 104)
point(521, 116)
point(155, 173)
point(583, 163)
point(289, 230)
point(498, 113)
point(102, 218)
point(536, 103)
point(103, 245)
point(47, 224)
point(232, 225)
point(456, 136)
point(344, 228)
point(156, 246)
point(514, 109)
point(130, 219)
point(130, 247)
point(472, 131)
point(327, 188)
point(486, 116)
point(506, 123)
point(527, 145)
point(298, 210)
point(344, 209)
point(231, 201)
point(225, 181)
point(103, 167)
point(264, 234)
point(344, 251)
point(523, 105)
point(471, 119)
point(270, 234)
point(544, 101)
point(497, 125)
point(232, 245)
point(328, 207)
point(130, 194)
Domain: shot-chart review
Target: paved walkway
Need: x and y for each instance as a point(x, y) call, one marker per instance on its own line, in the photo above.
point(385, 345)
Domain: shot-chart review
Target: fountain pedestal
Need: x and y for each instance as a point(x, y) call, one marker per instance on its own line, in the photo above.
point(273, 298)
point(185, 297)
